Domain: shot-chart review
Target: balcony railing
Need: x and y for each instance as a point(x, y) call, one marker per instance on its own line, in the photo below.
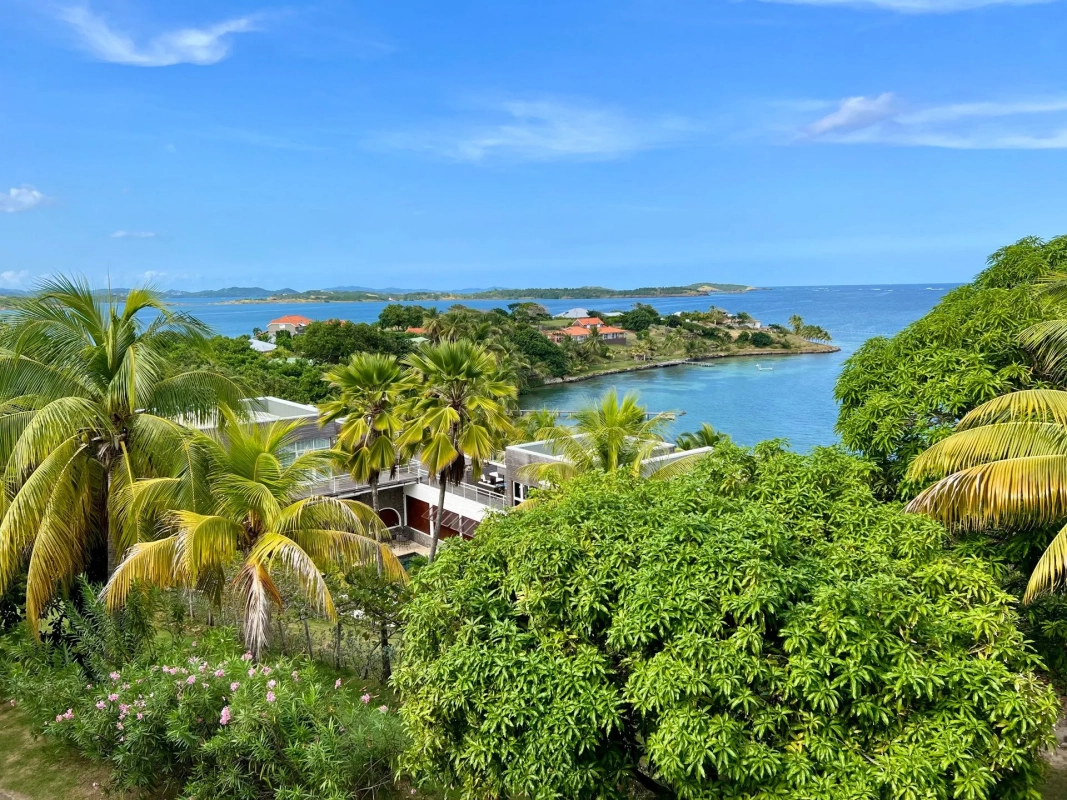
point(343, 484)
point(466, 490)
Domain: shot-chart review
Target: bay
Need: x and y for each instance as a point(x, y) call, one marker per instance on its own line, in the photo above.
point(794, 400)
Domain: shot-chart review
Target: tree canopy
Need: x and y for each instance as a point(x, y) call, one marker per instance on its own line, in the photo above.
point(759, 627)
point(901, 394)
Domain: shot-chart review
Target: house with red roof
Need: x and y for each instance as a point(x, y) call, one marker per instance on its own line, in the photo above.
point(293, 323)
point(579, 331)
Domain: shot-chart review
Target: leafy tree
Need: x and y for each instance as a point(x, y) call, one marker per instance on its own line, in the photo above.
point(537, 348)
point(640, 318)
point(605, 436)
point(371, 391)
point(400, 317)
point(242, 499)
point(528, 312)
point(284, 339)
point(759, 627)
point(899, 395)
point(333, 341)
point(761, 339)
point(704, 436)
point(87, 404)
point(457, 414)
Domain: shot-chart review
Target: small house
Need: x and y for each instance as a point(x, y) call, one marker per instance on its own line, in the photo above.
point(293, 323)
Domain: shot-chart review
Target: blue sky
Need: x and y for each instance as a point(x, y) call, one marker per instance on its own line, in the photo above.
point(444, 145)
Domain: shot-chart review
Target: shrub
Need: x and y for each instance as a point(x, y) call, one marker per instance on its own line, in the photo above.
point(761, 339)
point(206, 720)
point(760, 627)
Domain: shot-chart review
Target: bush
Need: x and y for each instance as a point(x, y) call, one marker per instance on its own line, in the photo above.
point(207, 721)
point(539, 350)
point(760, 627)
point(761, 339)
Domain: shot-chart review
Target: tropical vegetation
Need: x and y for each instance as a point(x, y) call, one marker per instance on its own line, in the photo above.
point(761, 626)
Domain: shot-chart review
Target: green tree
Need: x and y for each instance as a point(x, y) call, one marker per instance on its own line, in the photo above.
point(400, 317)
point(899, 395)
point(87, 404)
point(370, 391)
point(605, 436)
point(704, 436)
point(456, 416)
point(333, 341)
point(640, 318)
point(759, 627)
point(543, 354)
point(242, 499)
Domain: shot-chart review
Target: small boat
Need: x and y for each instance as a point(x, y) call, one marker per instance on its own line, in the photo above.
point(764, 369)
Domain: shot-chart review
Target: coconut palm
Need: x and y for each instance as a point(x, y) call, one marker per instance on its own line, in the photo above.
point(457, 414)
point(705, 436)
point(238, 500)
point(87, 405)
point(370, 390)
point(606, 436)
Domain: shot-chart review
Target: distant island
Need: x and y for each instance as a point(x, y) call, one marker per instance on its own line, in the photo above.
point(579, 293)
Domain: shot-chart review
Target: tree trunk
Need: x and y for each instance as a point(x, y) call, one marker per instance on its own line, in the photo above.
point(337, 648)
point(307, 635)
point(387, 663)
point(440, 516)
point(281, 634)
point(377, 534)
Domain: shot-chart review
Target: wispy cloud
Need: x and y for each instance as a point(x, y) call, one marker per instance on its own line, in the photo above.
point(207, 45)
point(914, 6)
point(544, 130)
point(12, 279)
point(21, 198)
point(887, 120)
point(133, 235)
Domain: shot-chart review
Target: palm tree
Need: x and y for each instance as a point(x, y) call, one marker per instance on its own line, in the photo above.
point(86, 407)
point(534, 425)
point(705, 436)
point(606, 436)
point(457, 414)
point(370, 390)
point(238, 499)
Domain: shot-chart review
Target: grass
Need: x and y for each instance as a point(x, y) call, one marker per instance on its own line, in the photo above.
point(37, 768)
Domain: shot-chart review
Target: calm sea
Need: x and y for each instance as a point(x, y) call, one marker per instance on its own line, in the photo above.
point(794, 400)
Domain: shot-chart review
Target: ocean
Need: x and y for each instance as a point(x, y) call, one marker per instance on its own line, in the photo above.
point(793, 401)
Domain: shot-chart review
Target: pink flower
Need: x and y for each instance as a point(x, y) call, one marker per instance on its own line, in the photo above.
point(59, 717)
point(125, 686)
point(266, 670)
point(220, 673)
point(246, 657)
point(224, 719)
point(270, 697)
point(125, 709)
point(271, 683)
point(114, 676)
point(88, 686)
point(337, 684)
point(383, 709)
point(140, 715)
point(69, 714)
point(203, 667)
point(366, 699)
point(234, 686)
point(112, 697)
point(101, 704)
point(191, 680)
point(194, 644)
point(295, 676)
point(252, 672)
point(119, 726)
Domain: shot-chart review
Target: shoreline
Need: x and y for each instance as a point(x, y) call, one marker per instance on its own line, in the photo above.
point(681, 362)
point(459, 298)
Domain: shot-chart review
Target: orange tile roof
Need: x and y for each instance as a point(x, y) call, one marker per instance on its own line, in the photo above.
point(416, 330)
point(583, 321)
point(609, 329)
point(574, 330)
point(291, 319)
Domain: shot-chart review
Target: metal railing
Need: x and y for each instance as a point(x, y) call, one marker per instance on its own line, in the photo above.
point(466, 490)
point(342, 483)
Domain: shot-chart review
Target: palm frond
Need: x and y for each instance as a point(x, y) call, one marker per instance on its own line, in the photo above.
point(1047, 405)
point(973, 446)
point(258, 595)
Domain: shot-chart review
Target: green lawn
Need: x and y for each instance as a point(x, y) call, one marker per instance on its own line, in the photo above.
point(41, 769)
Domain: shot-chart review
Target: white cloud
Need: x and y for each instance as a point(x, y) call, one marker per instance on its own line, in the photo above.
point(914, 6)
point(1016, 125)
point(10, 279)
point(133, 234)
point(22, 198)
point(543, 130)
point(207, 45)
point(151, 276)
point(854, 113)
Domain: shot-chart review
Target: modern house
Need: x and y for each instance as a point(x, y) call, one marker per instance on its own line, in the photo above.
point(293, 323)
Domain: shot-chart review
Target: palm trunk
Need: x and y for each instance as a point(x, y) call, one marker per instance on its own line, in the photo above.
point(387, 667)
point(440, 516)
point(387, 663)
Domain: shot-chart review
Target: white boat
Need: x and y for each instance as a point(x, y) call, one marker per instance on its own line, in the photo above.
point(764, 369)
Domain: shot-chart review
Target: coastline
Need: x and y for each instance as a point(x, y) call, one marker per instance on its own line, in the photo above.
point(814, 349)
point(460, 297)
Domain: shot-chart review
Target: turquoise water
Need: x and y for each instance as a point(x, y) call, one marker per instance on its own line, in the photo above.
point(793, 401)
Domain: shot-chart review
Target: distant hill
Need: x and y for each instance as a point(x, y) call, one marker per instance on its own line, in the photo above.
point(253, 292)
